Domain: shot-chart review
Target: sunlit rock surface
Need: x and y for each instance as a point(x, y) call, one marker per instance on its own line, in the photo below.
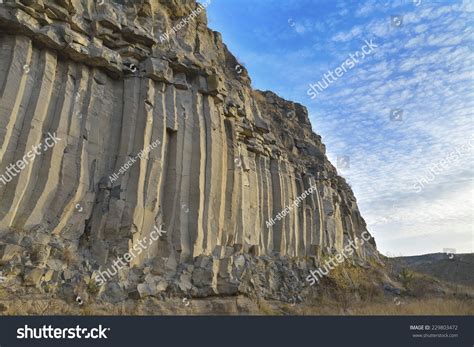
point(210, 160)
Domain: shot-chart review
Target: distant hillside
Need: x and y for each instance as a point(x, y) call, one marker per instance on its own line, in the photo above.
point(455, 268)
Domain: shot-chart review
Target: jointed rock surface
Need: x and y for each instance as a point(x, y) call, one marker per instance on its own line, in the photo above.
point(229, 158)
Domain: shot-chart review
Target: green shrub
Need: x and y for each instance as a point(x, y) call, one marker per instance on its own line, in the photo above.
point(406, 277)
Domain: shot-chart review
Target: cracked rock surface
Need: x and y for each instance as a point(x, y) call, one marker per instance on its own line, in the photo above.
point(228, 158)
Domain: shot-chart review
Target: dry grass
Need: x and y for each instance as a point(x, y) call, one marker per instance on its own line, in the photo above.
point(388, 307)
point(435, 307)
point(352, 290)
point(266, 307)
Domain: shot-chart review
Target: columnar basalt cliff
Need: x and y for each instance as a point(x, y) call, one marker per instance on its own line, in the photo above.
point(219, 160)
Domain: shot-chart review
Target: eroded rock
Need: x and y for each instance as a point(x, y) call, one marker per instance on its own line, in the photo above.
point(227, 159)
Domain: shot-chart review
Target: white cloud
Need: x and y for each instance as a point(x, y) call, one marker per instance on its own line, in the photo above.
point(432, 59)
point(366, 8)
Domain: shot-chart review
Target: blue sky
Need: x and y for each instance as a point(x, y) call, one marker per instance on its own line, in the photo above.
point(412, 172)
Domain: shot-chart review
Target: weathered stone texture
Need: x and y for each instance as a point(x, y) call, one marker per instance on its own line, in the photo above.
point(228, 158)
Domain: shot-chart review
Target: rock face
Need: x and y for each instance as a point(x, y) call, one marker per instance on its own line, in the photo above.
point(157, 126)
